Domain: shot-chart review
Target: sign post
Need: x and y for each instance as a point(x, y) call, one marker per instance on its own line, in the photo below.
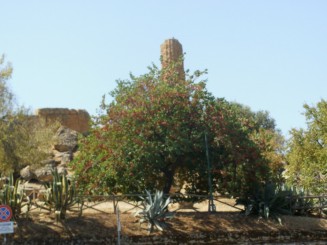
point(6, 226)
point(118, 226)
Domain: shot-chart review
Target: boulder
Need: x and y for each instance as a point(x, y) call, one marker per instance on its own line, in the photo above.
point(62, 157)
point(27, 174)
point(44, 174)
point(66, 140)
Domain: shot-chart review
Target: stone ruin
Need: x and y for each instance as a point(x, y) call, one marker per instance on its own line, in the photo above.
point(65, 144)
point(171, 51)
point(75, 122)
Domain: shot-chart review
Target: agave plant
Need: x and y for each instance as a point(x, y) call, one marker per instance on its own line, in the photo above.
point(11, 194)
point(300, 204)
point(267, 202)
point(60, 196)
point(154, 211)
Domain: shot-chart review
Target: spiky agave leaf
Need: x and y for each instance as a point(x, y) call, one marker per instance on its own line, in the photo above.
point(154, 210)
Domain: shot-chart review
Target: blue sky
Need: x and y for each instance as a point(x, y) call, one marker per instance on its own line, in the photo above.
point(268, 55)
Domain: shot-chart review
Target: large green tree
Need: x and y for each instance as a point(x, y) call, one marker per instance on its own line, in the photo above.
point(152, 136)
point(246, 148)
point(307, 155)
point(148, 134)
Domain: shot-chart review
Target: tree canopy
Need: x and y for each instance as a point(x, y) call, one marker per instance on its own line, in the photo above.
point(151, 136)
point(307, 155)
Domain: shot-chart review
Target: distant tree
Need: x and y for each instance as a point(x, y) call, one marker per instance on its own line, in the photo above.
point(23, 139)
point(6, 96)
point(152, 136)
point(307, 155)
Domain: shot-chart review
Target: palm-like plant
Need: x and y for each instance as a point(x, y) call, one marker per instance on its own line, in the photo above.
point(154, 211)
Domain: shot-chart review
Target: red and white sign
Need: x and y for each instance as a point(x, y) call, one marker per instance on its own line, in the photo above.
point(5, 213)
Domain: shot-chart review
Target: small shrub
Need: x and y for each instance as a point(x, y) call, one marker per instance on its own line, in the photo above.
point(301, 205)
point(267, 202)
point(154, 211)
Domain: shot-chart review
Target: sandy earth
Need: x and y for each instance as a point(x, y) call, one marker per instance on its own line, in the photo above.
point(98, 219)
point(222, 205)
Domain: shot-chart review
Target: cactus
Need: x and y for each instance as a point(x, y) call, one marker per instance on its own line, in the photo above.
point(60, 196)
point(11, 194)
point(154, 211)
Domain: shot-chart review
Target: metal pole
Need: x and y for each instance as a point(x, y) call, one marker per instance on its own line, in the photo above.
point(212, 206)
point(118, 226)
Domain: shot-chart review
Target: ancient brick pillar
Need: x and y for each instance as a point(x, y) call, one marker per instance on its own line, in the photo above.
point(172, 51)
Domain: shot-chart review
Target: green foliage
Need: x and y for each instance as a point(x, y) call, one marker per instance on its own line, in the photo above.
point(150, 132)
point(301, 205)
point(11, 194)
point(151, 136)
point(245, 150)
point(6, 96)
point(61, 195)
point(154, 211)
point(307, 154)
point(24, 140)
point(267, 202)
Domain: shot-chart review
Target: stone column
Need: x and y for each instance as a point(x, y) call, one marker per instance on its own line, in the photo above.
point(172, 51)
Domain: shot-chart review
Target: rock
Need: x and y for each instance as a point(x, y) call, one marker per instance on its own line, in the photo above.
point(57, 155)
point(27, 174)
point(66, 158)
point(44, 174)
point(62, 157)
point(66, 140)
point(62, 168)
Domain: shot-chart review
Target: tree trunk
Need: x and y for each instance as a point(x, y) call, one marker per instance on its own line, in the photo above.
point(169, 178)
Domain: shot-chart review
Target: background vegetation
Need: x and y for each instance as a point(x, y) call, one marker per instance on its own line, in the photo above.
point(23, 140)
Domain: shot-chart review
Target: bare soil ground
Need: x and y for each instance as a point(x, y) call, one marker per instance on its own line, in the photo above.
point(99, 220)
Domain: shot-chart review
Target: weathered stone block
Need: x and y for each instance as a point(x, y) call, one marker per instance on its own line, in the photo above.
point(77, 120)
point(66, 140)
